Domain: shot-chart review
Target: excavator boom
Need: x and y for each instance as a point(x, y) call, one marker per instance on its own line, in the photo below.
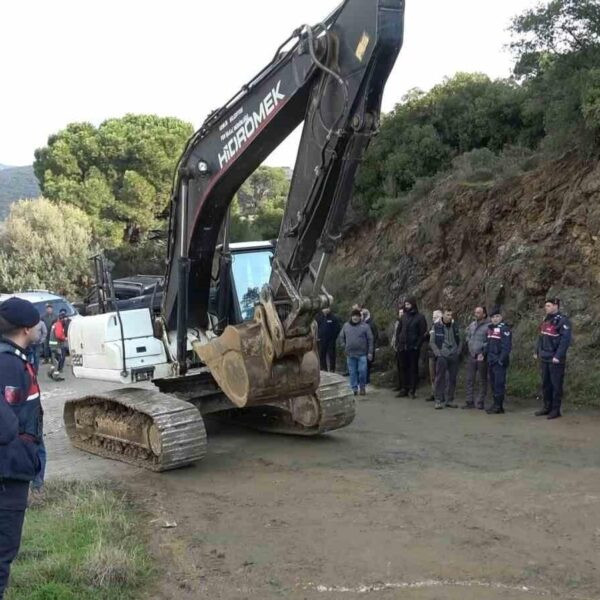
point(331, 76)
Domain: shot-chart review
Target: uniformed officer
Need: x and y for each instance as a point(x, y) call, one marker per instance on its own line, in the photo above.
point(553, 342)
point(497, 351)
point(20, 425)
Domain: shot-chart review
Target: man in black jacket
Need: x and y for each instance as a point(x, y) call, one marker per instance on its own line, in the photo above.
point(329, 326)
point(410, 335)
point(20, 425)
point(553, 342)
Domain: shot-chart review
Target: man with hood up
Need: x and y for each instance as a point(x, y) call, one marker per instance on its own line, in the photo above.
point(410, 336)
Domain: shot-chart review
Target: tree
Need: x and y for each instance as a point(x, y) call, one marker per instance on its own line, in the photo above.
point(557, 28)
point(45, 245)
point(119, 173)
point(426, 131)
point(264, 184)
point(557, 49)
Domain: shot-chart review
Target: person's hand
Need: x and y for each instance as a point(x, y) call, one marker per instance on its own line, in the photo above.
point(369, 357)
point(535, 356)
point(555, 361)
point(480, 357)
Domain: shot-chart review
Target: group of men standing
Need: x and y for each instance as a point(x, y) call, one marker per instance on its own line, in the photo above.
point(488, 342)
point(489, 345)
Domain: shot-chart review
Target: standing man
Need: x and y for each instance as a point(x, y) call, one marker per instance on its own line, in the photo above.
point(436, 317)
point(446, 345)
point(366, 317)
point(329, 327)
point(399, 353)
point(497, 350)
point(49, 319)
point(37, 348)
point(59, 344)
point(20, 425)
point(553, 342)
point(410, 337)
point(477, 368)
point(357, 339)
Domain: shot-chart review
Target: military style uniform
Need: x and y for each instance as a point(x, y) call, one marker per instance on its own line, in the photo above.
point(497, 351)
point(20, 433)
point(553, 342)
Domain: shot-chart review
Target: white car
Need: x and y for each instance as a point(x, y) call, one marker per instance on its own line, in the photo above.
point(41, 298)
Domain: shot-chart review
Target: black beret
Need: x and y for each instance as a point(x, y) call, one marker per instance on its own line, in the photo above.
point(20, 313)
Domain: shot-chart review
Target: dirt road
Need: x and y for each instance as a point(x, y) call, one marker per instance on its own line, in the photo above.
point(407, 503)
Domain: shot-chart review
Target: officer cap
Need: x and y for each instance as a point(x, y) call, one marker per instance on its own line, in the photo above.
point(19, 313)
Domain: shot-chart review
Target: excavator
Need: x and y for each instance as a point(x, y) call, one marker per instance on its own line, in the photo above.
point(236, 337)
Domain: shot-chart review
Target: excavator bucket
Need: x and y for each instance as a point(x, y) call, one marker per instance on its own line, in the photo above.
point(244, 363)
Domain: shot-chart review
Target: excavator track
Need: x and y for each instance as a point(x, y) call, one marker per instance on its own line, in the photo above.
point(332, 407)
point(137, 426)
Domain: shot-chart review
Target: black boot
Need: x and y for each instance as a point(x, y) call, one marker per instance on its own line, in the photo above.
point(543, 411)
point(496, 408)
point(554, 412)
point(402, 393)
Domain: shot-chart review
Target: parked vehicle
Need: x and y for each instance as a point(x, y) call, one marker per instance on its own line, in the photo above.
point(137, 291)
point(41, 298)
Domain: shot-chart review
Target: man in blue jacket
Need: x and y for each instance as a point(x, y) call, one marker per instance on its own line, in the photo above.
point(497, 351)
point(553, 342)
point(20, 425)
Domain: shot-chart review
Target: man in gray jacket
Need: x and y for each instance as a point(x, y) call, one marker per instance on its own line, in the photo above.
point(357, 339)
point(477, 376)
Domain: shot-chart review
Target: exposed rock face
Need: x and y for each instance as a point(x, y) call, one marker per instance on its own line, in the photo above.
point(512, 244)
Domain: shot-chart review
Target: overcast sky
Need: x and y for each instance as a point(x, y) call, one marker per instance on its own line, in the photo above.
point(74, 60)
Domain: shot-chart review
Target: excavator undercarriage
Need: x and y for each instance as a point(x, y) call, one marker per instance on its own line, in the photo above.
point(159, 431)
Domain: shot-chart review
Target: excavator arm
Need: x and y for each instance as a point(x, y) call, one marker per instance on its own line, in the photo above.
point(331, 76)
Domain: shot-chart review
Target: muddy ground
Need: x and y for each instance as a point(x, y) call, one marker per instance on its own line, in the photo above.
point(406, 503)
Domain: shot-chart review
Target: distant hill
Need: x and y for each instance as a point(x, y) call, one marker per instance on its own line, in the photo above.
point(16, 183)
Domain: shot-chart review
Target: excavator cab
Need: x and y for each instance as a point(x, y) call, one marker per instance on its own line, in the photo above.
point(240, 271)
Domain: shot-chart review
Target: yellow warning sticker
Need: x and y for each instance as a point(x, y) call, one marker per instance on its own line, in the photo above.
point(363, 44)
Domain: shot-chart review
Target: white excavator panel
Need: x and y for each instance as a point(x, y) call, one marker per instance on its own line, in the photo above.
point(97, 348)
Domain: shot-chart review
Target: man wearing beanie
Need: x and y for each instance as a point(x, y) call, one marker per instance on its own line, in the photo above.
point(20, 425)
point(497, 351)
point(357, 340)
point(553, 342)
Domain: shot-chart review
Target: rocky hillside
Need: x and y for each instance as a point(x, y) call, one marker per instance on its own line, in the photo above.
point(514, 243)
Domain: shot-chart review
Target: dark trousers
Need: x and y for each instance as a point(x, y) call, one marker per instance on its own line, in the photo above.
point(60, 355)
point(477, 378)
point(553, 377)
point(11, 525)
point(497, 374)
point(446, 371)
point(47, 354)
point(327, 356)
point(410, 369)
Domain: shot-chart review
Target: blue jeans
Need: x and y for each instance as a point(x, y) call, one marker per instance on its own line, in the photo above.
point(38, 482)
point(357, 367)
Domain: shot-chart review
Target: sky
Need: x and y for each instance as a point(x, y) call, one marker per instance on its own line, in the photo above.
point(72, 60)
